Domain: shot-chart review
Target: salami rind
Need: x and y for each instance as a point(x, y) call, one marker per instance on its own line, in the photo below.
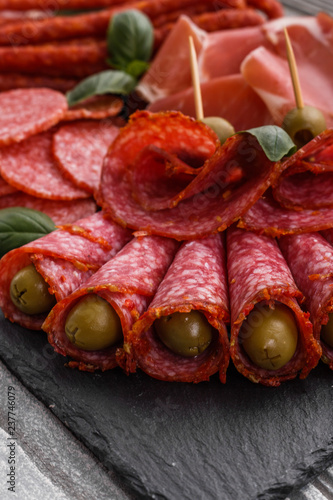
point(258, 273)
point(196, 280)
point(310, 259)
point(128, 282)
point(79, 149)
point(207, 204)
point(64, 258)
point(30, 167)
point(26, 112)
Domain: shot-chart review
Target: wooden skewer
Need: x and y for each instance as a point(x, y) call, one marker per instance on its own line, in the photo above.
point(293, 72)
point(196, 81)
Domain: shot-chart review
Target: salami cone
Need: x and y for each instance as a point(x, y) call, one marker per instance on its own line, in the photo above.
point(310, 258)
point(127, 284)
point(263, 294)
point(195, 283)
point(65, 259)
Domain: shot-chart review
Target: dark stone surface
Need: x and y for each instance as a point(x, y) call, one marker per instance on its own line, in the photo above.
point(171, 441)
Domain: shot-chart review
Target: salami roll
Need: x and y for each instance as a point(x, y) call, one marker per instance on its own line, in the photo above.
point(167, 174)
point(182, 336)
point(63, 259)
point(310, 259)
point(30, 167)
point(271, 337)
point(121, 290)
point(26, 112)
point(61, 212)
point(79, 149)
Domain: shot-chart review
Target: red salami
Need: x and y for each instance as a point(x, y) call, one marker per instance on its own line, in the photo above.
point(95, 108)
point(195, 282)
point(25, 112)
point(233, 177)
point(127, 282)
point(263, 293)
point(80, 147)
point(310, 258)
point(11, 81)
point(65, 258)
point(30, 167)
point(61, 212)
point(6, 188)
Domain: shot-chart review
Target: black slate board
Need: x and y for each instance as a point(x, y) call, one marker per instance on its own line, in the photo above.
point(181, 441)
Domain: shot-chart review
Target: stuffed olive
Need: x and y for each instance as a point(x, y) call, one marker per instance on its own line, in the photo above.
point(327, 331)
point(269, 336)
point(92, 324)
point(186, 334)
point(303, 124)
point(30, 292)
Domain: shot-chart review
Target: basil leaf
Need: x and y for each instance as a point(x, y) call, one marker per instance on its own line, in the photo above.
point(130, 37)
point(136, 68)
point(105, 82)
point(275, 141)
point(20, 225)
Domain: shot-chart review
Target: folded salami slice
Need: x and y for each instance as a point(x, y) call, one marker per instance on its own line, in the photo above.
point(80, 147)
point(310, 259)
point(60, 211)
point(271, 337)
point(26, 112)
point(182, 336)
point(232, 177)
point(64, 259)
point(267, 216)
point(31, 167)
point(127, 284)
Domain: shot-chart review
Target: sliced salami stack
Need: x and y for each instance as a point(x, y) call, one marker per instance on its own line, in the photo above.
point(310, 258)
point(65, 259)
point(123, 289)
point(271, 336)
point(182, 336)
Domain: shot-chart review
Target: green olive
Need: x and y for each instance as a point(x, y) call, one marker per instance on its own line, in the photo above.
point(187, 334)
point(92, 324)
point(326, 333)
point(221, 127)
point(269, 336)
point(29, 292)
point(303, 124)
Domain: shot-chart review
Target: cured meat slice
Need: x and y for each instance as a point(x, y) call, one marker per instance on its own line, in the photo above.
point(5, 188)
point(127, 282)
point(221, 97)
point(96, 108)
point(208, 193)
point(79, 149)
point(195, 282)
point(26, 112)
point(268, 217)
point(61, 212)
point(260, 283)
point(11, 81)
point(307, 179)
point(64, 258)
point(30, 167)
point(310, 259)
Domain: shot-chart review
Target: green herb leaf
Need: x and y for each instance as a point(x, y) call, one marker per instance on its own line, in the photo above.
point(130, 37)
point(109, 81)
point(275, 142)
point(136, 68)
point(20, 225)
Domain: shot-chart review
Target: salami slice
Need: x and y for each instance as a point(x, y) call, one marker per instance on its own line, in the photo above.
point(127, 282)
point(61, 212)
point(64, 258)
point(79, 149)
point(231, 180)
point(268, 217)
point(31, 167)
point(193, 291)
point(95, 108)
point(26, 112)
point(6, 188)
point(310, 259)
point(263, 294)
